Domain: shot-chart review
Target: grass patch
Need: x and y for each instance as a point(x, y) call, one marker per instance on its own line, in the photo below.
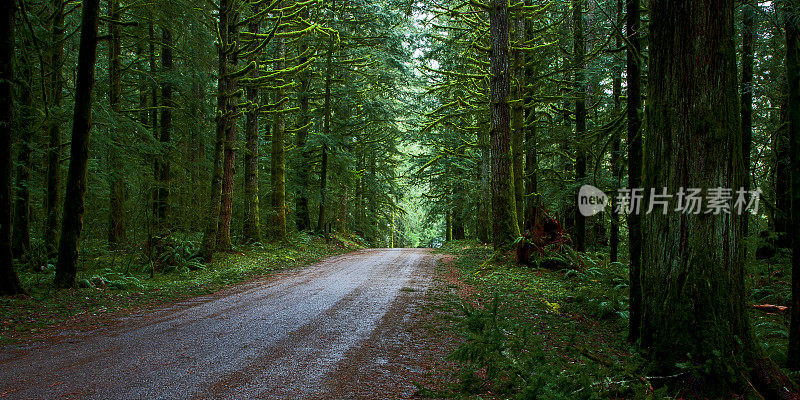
point(114, 281)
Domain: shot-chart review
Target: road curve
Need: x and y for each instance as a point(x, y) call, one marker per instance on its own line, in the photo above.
point(291, 336)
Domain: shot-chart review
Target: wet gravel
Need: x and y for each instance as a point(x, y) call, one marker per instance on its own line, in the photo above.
point(340, 329)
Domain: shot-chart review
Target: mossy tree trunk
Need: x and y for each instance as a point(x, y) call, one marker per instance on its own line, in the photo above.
point(54, 131)
point(616, 147)
point(21, 237)
point(72, 223)
point(231, 135)
point(505, 226)
point(518, 117)
point(162, 172)
point(252, 220)
point(116, 181)
point(303, 165)
point(578, 51)
point(693, 264)
point(278, 176)
point(225, 88)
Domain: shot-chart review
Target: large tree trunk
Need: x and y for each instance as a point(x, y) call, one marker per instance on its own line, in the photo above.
point(793, 79)
point(278, 176)
point(505, 227)
point(54, 132)
point(748, 34)
point(693, 264)
point(252, 220)
point(116, 209)
point(303, 219)
point(518, 118)
point(224, 92)
point(231, 133)
point(634, 103)
point(579, 48)
point(72, 222)
point(616, 156)
point(9, 283)
point(21, 237)
point(161, 203)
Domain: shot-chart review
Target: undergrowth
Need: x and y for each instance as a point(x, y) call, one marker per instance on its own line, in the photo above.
point(534, 333)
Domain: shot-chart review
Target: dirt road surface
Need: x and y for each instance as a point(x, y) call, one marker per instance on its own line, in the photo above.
point(344, 328)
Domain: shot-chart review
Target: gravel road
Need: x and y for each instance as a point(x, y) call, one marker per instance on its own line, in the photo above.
point(339, 329)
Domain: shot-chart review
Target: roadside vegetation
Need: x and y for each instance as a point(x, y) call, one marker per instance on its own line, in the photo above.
point(538, 333)
point(113, 281)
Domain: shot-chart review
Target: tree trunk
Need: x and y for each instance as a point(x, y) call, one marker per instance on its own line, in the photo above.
point(793, 79)
point(579, 48)
point(9, 283)
point(634, 102)
point(692, 264)
point(485, 202)
point(72, 222)
point(278, 176)
point(323, 177)
point(746, 104)
point(505, 227)
point(518, 118)
point(161, 204)
point(116, 216)
point(231, 133)
point(223, 120)
point(252, 221)
point(531, 152)
point(616, 156)
point(21, 237)
point(54, 132)
point(303, 219)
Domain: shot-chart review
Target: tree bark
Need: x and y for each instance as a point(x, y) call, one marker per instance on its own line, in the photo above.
point(484, 231)
point(278, 176)
point(692, 264)
point(9, 283)
point(634, 102)
point(793, 79)
point(116, 216)
point(72, 223)
point(323, 177)
point(223, 120)
point(746, 104)
point(504, 224)
point(518, 118)
point(616, 156)
point(54, 132)
point(21, 237)
point(161, 204)
point(252, 221)
point(302, 216)
point(231, 133)
point(579, 48)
